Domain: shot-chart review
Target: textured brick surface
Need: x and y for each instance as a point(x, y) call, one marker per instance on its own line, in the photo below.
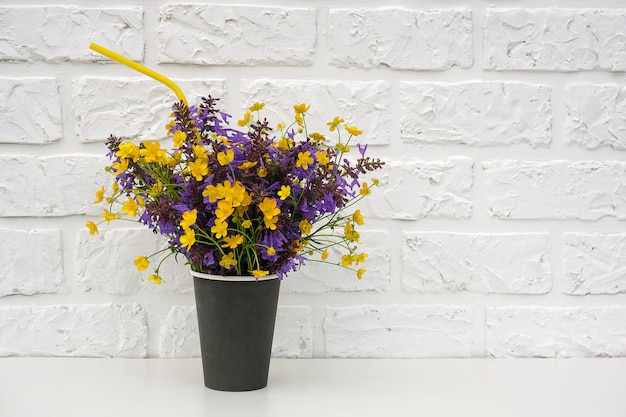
point(358, 102)
point(236, 35)
point(555, 39)
point(398, 331)
point(491, 263)
point(63, 33)
point(30, 110)
point(595, 116)
point(476, 113)
point(594, 263)
point(417, 189)
point(50, 186)
point(85, 330)
point(587, 190)
point(131, 108)
point(554, 332)
point(400, 38)
point(32, 262)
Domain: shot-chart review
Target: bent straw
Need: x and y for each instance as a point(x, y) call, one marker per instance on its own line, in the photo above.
point(138, 67)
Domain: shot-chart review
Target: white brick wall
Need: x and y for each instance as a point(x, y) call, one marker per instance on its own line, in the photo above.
point(500, 226)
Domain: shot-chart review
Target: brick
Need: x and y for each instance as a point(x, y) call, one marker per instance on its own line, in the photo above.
point(317, 277)
point(32, 262)
point(584, 190)
point(360, 103)
point(105, 262)
point(516, 263)
point(293, 333)
point(236, 35)
point(400, 38)
point(50, 186)
point(556, 332)
point(63, 33)
point(594, 263)
point(398, 331)
point(595, 116)
point(555, 39)
point(411, 190)
point(131, 108)
point(476, 113)
point(30, 110)
point(79, 330)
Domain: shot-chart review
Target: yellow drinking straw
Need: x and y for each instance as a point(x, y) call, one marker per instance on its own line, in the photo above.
point(138, 67)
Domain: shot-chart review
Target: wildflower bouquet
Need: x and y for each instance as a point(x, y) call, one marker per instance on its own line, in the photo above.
point(247, 200)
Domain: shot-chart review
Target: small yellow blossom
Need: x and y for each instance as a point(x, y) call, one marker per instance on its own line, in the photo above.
point(318, 137)
point(228, 260)
point(199, 169)
point(142, 263)
point(285, 143)
point(301, 108)
point(269, 208)
point(271, 251)
point(334, 123)
point(281, 126)
point(179, 138)
point(232, 242)
point(153, 153)
point(119, 167)
point(224, 210)
point(304, 159)
point(93, 228)
point(270, 223)
point(109, 216)
point(248, 164)
point(262, 172)
point(188, 239)
point(376, 182)
point(358, 217)
point(305, 227)
point(257, 106)
point(284, 192)
point(360, 273)
point(325, 254)
point(220, 229)
point(322, 157)
point(128, 150)
point(189, 219)
point(156, 279)
point(365, 190)
point(259, 273)
point(246, 224)
point(100, 195)
point(225, 158)
point(353, 130)
point(130, 207)
point(247, 117)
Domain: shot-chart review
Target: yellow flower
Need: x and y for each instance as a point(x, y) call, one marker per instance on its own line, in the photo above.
point(376, 182)
point(108, 216)
point(281, 126)
point(350, 233)
point(322, 157)
point(152, 152)
point(100, 195)
point(157, 279)
point(220, 229)
point(262, 172)
point(285, 143)
point(232, 242)
point(245, 120)
point(199, 169)
point(353, 130)
point(343, 148)
point(224, 210)
point(119, 167)
point(305, 227)
point(360, 273)
point(334, 123)
point(93, 228)
point(142, 263)
point(365, 190)
point(271, 251)
point(179, 138)
point(189, 219)
point(247, 164)
point(156, 189)
point(301, 108)
point(130, 207)
point(228, 261)
point(358, 218)
point(188, 239)
point(346, 260)
point(284, 192)
point(257, 106)
point(269, 208)
point(270, 223)
point(225, 158)
point(259, 273)
point(360, 258)
point(128, 150)
point(246, 224)
point(325, 255)
point(200, 152)
point(316, 136)
point(304, 159)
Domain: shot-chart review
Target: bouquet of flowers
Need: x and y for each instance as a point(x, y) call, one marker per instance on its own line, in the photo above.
point(251, 200)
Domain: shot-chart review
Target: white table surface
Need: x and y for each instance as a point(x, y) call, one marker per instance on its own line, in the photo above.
point(317, 387)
